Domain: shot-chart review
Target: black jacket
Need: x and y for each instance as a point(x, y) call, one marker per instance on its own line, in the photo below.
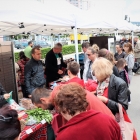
point(115, 71)
point(117, 93)
point(123, 76)
point(34, 75)
point(51, 66)
point(2, 100)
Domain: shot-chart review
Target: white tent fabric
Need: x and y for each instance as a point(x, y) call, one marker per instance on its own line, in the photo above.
point(35, 17)
point(57, 19)
point(105, 24)
point(35, 14)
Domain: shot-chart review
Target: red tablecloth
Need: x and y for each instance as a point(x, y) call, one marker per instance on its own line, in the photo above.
point(39, 131)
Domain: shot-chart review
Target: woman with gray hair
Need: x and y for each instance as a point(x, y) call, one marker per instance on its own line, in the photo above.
point(111, 89)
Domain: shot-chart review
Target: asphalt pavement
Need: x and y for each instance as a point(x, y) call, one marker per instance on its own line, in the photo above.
point(134, 108)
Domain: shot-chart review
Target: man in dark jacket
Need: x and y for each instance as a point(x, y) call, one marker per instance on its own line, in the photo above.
point(54, 64)
point(34, 72)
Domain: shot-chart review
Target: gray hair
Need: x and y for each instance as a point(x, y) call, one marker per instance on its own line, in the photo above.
point(86, 45)
point(92, 50)
point(58, 45)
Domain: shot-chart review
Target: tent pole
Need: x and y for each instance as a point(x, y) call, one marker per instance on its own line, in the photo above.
point(132, 39)
point(88, 37)
point(81, 39)
point(52, 41)
point(117, 32)
point(76, 46)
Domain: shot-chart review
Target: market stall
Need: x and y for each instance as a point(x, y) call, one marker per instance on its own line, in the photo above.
point(34, 121)
point(34, 132)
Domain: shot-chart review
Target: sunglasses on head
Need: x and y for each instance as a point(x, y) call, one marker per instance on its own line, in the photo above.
point(5, 119)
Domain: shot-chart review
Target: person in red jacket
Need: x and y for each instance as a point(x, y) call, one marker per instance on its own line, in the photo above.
point(73, 69)
point(82, 124)
point(22, 62)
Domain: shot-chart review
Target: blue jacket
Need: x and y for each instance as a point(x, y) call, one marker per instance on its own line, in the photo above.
point(34, 75)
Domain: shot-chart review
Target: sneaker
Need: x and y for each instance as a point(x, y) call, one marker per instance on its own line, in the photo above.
point(129, 103)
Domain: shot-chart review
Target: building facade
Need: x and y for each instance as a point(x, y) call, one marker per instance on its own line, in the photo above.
point(82, 4)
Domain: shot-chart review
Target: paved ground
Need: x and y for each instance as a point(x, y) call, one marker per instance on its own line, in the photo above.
point(134, 108)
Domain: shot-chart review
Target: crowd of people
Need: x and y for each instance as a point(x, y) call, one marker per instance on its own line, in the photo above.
point(86, 106)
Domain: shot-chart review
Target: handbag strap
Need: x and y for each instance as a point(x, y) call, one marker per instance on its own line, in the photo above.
point(121, 111)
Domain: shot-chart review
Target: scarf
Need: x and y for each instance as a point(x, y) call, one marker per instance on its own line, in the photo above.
point(102, 86)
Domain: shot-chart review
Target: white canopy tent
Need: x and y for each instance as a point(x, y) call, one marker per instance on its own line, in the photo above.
point(33, 12)
point(36, 17)
point(48, 18)
point(107, 26)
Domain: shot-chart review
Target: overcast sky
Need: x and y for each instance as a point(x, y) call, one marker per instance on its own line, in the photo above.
point(133, 9)
point(117, 8)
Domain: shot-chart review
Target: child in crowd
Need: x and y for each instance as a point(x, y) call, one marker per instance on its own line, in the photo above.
point(122, 72)
point(73, 69)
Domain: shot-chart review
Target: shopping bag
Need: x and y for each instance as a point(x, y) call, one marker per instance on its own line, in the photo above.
point(126, 127)
point(13, 104)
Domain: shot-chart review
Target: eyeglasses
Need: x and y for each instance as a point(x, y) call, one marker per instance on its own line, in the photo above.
point(5, 119)
point(89, 54)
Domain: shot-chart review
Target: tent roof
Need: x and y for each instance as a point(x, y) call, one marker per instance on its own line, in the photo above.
point(34, 15)
point(51, 17)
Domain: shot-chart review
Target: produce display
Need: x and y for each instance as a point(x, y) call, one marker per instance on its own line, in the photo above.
point(26, 103)
point(39, 114)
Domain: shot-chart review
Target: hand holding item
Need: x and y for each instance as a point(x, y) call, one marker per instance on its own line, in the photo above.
point(60, 72)
point(103, 99)
point(6, 96)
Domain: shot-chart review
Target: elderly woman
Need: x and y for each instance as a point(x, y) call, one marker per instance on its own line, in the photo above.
point(82, 124)
point(111, 89)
